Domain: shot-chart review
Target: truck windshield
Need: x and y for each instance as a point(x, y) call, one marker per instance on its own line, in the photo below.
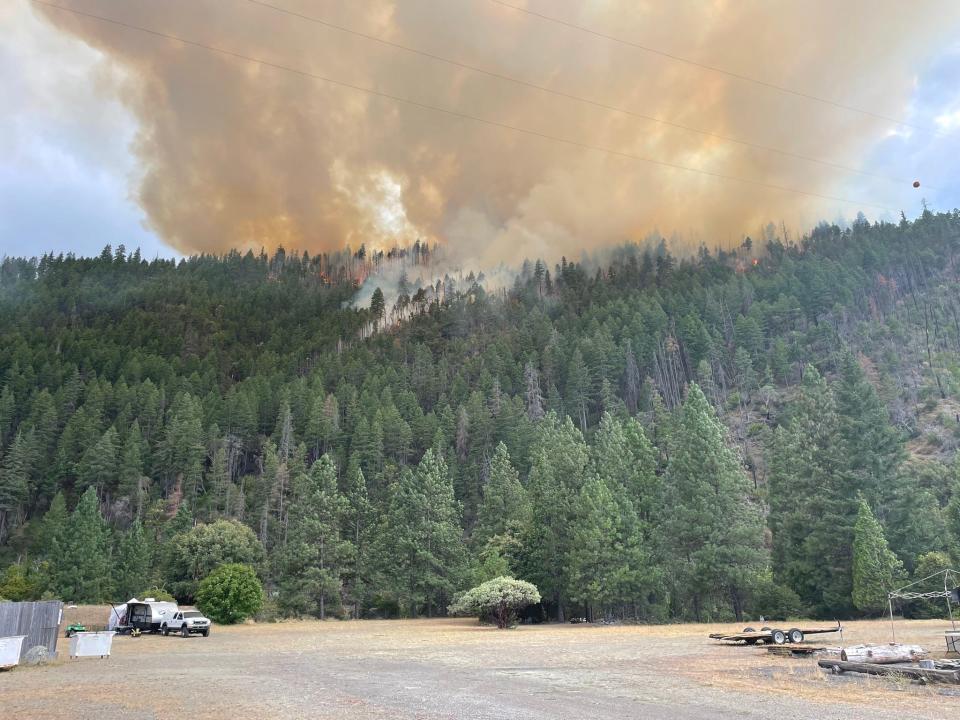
point(192, 614)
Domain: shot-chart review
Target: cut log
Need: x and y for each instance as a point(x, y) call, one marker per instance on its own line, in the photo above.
point(881, 654)
point(914, 673)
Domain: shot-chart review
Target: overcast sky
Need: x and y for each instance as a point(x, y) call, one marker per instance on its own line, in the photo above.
point(72, 174)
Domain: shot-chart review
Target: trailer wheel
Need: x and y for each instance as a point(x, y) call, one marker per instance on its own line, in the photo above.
point(764, 628)
point(164, 630)
point(795, 635)
point(749, 629)
point(779, 637)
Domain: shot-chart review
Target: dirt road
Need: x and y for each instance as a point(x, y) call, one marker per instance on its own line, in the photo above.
point(454, 669)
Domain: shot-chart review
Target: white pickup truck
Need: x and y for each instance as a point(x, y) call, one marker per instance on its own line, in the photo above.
point(186, 622)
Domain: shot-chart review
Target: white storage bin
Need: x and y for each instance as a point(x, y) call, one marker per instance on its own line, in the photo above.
point(91, 644)
point(10, 650)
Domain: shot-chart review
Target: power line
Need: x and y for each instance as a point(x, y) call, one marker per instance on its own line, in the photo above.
point(705, 66)
point(456, 113)
point(571, 96)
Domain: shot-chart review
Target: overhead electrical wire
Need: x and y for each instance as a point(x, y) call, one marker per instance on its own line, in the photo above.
point(456, 113)
point(571, 96)
point(704, 66)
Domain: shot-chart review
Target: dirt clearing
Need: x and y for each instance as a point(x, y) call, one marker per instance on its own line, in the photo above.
point(456, 669)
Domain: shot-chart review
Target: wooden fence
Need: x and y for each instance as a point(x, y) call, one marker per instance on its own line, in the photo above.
point(39, 621)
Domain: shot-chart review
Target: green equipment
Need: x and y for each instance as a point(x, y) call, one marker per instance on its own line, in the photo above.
point(75, 628)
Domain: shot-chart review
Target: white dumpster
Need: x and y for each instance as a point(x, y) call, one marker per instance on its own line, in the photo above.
point(91, 644)
point(10, 651)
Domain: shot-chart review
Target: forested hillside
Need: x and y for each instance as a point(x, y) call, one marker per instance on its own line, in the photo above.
point(770, 430)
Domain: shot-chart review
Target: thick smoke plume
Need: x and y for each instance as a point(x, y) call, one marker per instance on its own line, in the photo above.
point(236, 154)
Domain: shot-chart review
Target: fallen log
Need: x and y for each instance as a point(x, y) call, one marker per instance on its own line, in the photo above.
point(914, 673)
point(881, 654)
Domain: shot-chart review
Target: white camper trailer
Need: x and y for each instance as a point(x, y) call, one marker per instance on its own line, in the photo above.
point(146, 615)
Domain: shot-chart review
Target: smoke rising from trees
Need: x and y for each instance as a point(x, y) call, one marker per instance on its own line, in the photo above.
point(236, 154)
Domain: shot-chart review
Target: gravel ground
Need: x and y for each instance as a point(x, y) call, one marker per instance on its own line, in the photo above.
point(456, 669)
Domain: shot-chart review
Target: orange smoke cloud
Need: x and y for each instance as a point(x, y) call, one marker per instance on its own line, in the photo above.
point(239, 154)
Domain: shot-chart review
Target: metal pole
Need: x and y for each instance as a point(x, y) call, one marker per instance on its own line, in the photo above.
point(946, 574)
point(893, 630)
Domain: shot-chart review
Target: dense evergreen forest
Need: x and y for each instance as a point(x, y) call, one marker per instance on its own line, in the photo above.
point(766, 430)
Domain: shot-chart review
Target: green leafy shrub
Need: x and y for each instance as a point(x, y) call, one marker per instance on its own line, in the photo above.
point(17, 585)
point(928, 564)
point(195, 553)
point(499, 599)
point(774, 600)
point(230, 594)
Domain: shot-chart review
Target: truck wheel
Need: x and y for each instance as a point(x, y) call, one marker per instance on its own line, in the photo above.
point(164, 630)
point(795, 635)
point(69, 633)
point(206, 633)
point(779, 637)
point(184, 630)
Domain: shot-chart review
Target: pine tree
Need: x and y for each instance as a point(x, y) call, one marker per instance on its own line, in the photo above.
point(875, 568)
point(98, 467)
point(283, 432)
point(314, 553)
point(596, 557)
point(873, 448)
point(811, 514)
point(505, 507)
point(84, 570)
point(181, 522)
point(624, 461)
point(746, 378)
point(218, 482)
point(914, 522)
point(53, 530)
point(130, 468)
point(8, 408)
point(712, 531)
point(534, 397)
point(15, 480)
point(559, 468)
point(356, 525)
point(368, 444)
point(134, 563)
point(951, 513)
point(421, 545)
point(578, 389)
point(44, 421)
point(631, 382)
point(378, 307)
point(274, 480)
point(182, 450)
